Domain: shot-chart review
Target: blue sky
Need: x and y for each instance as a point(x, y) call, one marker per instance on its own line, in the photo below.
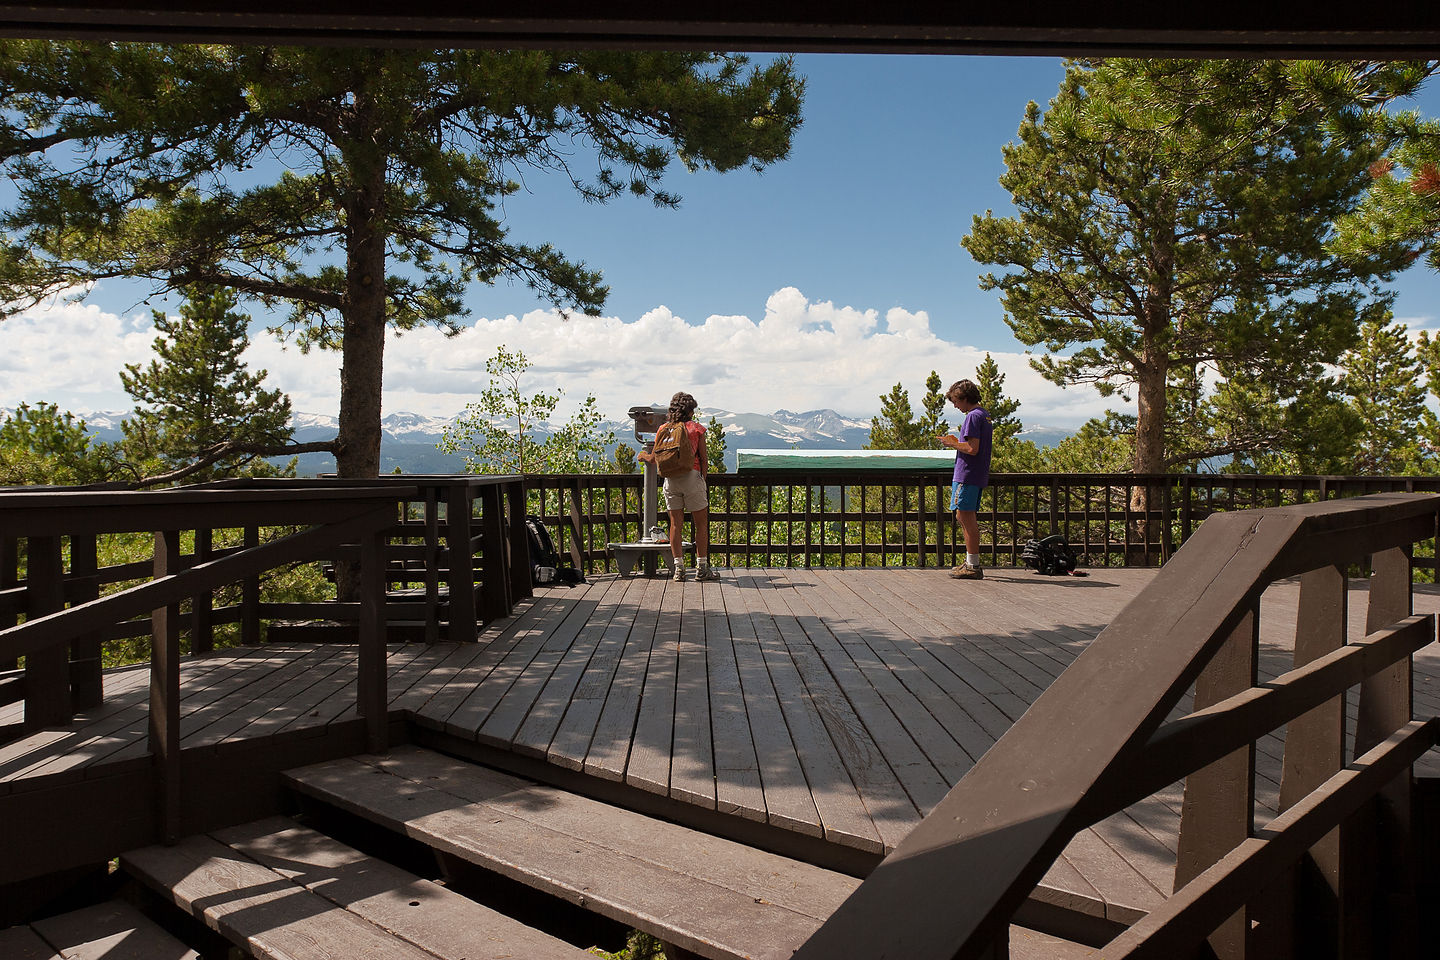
point(817, 283)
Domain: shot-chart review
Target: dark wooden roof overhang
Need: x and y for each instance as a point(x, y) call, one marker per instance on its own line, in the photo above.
point(1037, 27)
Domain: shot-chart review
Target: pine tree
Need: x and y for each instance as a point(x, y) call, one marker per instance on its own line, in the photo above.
point(932, 421)
point(200, 412)
point(1383, 380)
point(394, 160)
point(715, 444)
point(991, 382)
point(1171, 218)
point(894, 427)
point(41, 445)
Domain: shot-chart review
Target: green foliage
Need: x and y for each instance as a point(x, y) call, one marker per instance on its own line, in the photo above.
point(625, 459)
point(199, 397)
point(896, 427)
point(1384, 383)
point(1005, 425)
point(40, 445)
point(1402, 205)
point(1099, 446)
point(499, 433)
point(715, 445)
point(638, 946)
point(1170, 229)
point(139, 160)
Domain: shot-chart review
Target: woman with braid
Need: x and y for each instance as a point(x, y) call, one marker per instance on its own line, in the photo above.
point(687, 492)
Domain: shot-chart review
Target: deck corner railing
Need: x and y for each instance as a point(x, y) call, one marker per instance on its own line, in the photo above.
point(1099, 739)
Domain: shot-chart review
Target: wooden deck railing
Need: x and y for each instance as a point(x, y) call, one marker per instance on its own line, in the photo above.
point(57, 611)
point(1098, 740)
point(882, 518)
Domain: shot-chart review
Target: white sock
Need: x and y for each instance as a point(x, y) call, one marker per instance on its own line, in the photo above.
point(973, 559)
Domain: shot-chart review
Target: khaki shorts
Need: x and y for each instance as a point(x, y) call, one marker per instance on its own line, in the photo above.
point(687, 492)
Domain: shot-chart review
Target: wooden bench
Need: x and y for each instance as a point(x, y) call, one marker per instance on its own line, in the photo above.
point(107, 931)
point(708, 896)
point(278, 890)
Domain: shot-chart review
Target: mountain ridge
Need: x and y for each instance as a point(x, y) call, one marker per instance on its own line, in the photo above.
point(407, 439)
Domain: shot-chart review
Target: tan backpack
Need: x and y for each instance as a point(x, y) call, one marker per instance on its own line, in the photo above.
point(674, 450)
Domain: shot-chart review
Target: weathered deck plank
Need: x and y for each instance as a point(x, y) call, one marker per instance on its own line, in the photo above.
point(835, 704)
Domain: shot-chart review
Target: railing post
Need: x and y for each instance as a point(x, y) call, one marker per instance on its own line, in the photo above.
point(371, 699)
point(517, 544)
point(9, 580)
point(165, 692)
point(86, 673)
point(47, 672)
point(1218, 813)
point(494, 588)
point(1314, 751)
point(250, 597)
point(1386, 704)
point(461, 564)
point(202, 606)
point(432, 565)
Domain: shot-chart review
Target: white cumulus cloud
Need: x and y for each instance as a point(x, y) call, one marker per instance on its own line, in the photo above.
point(800, 355)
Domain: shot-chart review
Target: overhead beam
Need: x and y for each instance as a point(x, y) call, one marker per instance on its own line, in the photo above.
point(1041, 27)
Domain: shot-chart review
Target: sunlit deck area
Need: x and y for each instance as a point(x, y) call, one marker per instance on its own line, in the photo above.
point(820, 713)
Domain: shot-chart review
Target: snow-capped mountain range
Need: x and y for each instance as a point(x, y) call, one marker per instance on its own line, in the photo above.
point(407, 440)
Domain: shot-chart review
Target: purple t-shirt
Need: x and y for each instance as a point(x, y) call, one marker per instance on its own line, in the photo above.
point(974, 468)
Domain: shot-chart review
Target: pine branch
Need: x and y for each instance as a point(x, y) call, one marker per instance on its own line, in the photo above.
point(216, 452)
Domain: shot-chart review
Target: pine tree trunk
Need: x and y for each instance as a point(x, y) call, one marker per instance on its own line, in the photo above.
point(362, 368)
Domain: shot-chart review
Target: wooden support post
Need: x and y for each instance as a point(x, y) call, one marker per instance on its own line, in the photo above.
point(494, 589)
point(432, 565)
point(47, 672)
point(9, 579)
point(462, 564)
point(517, 544)
point(1218, 813)
point(575, 536)
point(202, 605)
point(1386, 704)
point(1314, 751)
point(371, 696)
point(86, 674)
point(165, 692)
point(250, 597)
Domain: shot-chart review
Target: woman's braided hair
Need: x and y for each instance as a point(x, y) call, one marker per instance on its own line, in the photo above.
point(682, 408)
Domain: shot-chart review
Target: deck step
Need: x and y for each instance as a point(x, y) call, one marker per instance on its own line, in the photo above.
point(710, 896)
point(713, 897)
point(278, 890)
point(113, 930)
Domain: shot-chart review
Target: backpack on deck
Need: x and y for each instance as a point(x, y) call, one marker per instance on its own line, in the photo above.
point(544, 561)
point(674, 450)
point(1052, 556)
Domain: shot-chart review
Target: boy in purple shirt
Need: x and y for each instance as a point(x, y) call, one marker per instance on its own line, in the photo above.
point(972, 471)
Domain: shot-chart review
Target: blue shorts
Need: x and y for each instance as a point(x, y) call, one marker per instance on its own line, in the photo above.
point(965, 496)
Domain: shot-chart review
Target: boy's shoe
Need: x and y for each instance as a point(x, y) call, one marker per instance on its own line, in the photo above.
point(679, 575)
point(967, 572)
point(707, 573)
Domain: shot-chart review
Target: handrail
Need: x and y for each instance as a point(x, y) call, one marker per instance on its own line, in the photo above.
point(870, 517)
point(331, 515)
point(1072, 757)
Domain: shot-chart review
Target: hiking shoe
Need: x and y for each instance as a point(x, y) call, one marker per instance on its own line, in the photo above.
point(967, 572)
point(707, 573)
point(679, 574)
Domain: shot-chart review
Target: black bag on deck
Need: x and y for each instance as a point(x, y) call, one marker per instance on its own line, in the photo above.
point(544, 561)
point(1052, 556)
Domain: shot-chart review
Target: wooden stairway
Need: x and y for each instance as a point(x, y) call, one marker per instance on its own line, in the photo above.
point(704, 895)
point(114, 930)
point(280, 891)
